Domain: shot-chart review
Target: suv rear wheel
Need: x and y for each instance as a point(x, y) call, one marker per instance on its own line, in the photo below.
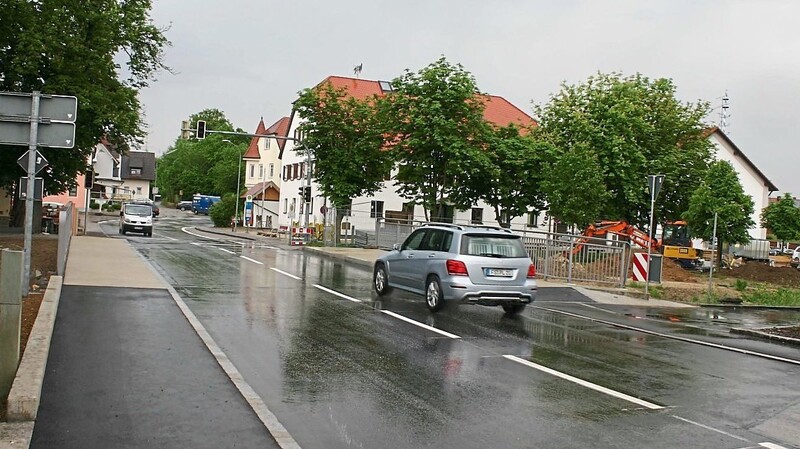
point(381, 281)
point(433, 294)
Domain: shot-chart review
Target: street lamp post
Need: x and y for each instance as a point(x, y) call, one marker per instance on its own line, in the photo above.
point(238, 181)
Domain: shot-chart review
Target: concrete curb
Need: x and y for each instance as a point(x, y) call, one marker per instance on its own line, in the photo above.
point(26, 391)
point(760, 333)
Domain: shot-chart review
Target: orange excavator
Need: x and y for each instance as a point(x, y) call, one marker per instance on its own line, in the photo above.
point(675, 244)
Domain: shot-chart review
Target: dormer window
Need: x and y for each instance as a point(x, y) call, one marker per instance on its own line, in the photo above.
point(136, 171)
point(386, 86)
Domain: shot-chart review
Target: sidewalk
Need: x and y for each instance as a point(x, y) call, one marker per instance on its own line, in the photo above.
point(122, 366)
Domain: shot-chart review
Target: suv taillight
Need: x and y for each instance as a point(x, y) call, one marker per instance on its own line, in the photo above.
point(532, 271)
point(456, 268)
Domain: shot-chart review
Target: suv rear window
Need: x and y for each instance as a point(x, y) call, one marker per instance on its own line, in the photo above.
point(492, 245)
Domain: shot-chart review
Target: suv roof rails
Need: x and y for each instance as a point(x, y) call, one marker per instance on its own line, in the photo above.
point(446, 225)
point(496, 228)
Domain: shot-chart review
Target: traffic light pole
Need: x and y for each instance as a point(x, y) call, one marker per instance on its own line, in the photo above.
point(32, 142)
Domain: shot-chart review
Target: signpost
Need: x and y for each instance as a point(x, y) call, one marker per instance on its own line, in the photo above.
point(654, 184)
point(34, 119)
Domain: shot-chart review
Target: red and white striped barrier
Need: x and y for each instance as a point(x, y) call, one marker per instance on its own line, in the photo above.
point(640, 267)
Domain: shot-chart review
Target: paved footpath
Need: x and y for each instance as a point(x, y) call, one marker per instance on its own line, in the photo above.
point(129, 366)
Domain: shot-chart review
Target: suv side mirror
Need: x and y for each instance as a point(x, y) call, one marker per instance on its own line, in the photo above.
point(396, 247)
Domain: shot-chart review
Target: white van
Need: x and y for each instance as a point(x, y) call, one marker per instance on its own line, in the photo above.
point(135, 217)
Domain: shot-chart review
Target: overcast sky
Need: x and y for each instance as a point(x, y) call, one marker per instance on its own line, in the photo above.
point(249, 58)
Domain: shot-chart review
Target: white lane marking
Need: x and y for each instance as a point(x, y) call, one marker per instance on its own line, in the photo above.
point(165, 236)
point(251, 260)
point(186, 230)
point(585, 383)
point(771, 446)
point(673, 337)
point(226, 250)
point(284, 273)
point(196, 243)
point(710, 428)
point(417, 323)
point(334, 292)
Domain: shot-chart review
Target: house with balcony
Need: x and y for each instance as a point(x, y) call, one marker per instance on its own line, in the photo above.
point(262, 172)
point(121, 176)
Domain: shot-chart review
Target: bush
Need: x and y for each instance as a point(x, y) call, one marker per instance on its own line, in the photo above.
point(222, 211)
point(741, 285)
point(93, 205)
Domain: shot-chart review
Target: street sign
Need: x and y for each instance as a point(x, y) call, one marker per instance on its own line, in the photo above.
point(54, 135)
point(60, 108)
point(41, 162)
point(323, 210)
point(38, 188)
point(654, 184)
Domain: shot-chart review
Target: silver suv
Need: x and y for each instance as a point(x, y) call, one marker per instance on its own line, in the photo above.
point(470, 264)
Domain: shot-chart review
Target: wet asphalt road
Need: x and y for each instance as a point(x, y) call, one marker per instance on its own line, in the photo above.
point(341, 369)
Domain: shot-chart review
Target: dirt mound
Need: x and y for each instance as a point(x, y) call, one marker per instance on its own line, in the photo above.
point(762, 272)
point(672, 271)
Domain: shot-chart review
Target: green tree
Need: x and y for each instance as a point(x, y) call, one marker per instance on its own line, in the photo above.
point(720, 192)
point(435, 120)
point(630, 127)
point(207, 166)
point(344, 138)
point(506, 175)
point(574, 187)
point(76, 48)
point(782, 218)
point(222, 211)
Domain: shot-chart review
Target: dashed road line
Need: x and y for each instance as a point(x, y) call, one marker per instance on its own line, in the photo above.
point(334, 292)
point(585, 383)
point(226, 250)
point(284, 273)
point(251, 260)
point(417, 323)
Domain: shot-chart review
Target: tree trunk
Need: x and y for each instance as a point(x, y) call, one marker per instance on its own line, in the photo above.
point(718, 262)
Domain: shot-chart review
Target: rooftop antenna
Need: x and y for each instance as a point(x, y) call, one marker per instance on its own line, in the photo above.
point(724, 114)
point(357, 69)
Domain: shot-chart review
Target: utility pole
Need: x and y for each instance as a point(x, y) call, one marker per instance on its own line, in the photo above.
point(654, 183)
point(32, 142)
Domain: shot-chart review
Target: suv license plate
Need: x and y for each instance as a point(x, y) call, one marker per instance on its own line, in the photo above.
point(498, 272)
point(137, 228)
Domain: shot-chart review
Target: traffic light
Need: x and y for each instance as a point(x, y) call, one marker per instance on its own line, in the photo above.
point(201, 130)
point(88, 180)
point(185, 129)
point(301, 192)
point(307, 194)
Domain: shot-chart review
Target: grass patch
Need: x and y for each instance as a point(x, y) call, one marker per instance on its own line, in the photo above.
point(770, 297)
point(741, 285)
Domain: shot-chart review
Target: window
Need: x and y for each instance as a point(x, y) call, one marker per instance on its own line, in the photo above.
point(260, 171)
point(491, 245)
point(136, 170)
point(73, 191)
point(285, 205)
point(408, 208)
point(533, 219)
point(376, 209)
point(386, 86)
point(138, 190)
point(477, 215)
point(294, 171)
point(293, 207)
point(252, 170)
point(414, 241)
point(302, 169)
point(437, 240)
point(266, 143)
point(271, 170)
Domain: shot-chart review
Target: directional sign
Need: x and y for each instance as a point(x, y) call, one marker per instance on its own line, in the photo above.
point(38, 188)
point(54, 135)
point(654, 183)
point(41, 162)
point(61, 108)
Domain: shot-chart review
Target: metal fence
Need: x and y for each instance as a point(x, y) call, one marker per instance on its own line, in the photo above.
point(573, 258)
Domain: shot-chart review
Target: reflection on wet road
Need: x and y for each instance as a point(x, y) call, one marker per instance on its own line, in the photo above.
point(342, 369)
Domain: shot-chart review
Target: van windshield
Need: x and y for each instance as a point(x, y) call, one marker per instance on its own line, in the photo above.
point(141, 210)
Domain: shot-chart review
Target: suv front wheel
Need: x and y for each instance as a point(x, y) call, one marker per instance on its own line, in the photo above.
point(433, 294)
point(381, 281)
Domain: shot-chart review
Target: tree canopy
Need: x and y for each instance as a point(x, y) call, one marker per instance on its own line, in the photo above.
point(617, 130)
point(434, 118)
point(720, 192)
point(77, 48)
point(207, 166)
point(343, 136)
point(782, 218)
